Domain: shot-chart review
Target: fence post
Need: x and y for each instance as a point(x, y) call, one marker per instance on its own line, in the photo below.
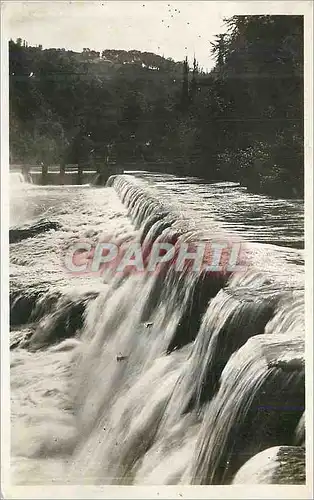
point(62, 172)
point(25, 172)
point(98, 167)
point(79, 172)
point(44, 173)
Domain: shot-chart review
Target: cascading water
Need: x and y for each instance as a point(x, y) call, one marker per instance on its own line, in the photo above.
point(250, 410)
point(16, 178)
point(168, 377)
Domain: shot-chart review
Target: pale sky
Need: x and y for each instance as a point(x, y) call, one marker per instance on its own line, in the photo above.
point(173, 29)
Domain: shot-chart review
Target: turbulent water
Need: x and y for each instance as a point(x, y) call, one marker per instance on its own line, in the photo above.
point(171, 378)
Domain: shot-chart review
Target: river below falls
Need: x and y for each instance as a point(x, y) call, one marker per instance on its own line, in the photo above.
point(55, 436)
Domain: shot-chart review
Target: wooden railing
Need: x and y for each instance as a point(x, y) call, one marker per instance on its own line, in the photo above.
point(78, 173)
point(64, 174)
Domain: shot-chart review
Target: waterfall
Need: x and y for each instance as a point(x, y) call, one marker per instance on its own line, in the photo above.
point(175, 377)
point(259, 402)
point(16, 178)
point(173, 368)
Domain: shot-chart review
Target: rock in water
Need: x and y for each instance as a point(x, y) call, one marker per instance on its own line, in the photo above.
point(277, 465)
point(29, 231)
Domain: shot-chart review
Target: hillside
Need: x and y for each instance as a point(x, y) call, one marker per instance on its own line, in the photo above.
point(243, 121)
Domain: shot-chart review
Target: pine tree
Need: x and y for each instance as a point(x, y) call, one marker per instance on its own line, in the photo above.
point(193, 85)
point(185, 86)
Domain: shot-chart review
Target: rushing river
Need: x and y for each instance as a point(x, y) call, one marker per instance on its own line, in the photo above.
point(177, 378)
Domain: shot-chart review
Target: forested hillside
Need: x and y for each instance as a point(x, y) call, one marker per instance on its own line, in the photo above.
point(243, 121)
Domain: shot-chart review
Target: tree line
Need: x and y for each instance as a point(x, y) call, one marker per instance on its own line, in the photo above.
point(242, 121)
